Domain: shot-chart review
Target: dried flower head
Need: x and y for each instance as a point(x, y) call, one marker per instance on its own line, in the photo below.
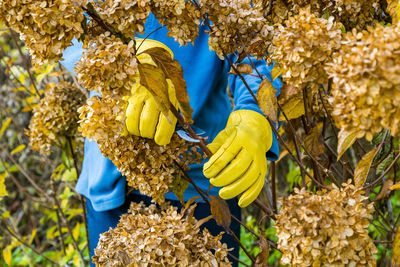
point(56, 117)
point(151, 236)
point(108, 66)
point(351, 13)
point(125, 16)
point(326, 228)
point(181, 17)
point(304, 46)
point(366, 81)
point(47, 27)
point(147, 166)
point(234, 24)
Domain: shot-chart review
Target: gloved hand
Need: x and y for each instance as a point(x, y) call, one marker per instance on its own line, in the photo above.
point(239, 163)
point(143, 117)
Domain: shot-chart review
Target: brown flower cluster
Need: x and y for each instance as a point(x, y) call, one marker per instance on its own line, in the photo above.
point(125, 16)
point(304, 46)
point(234, 24)
point(325, 229)
point(108, 66)
point(56, 117)
point(147, 166)
point(47, 27)
point(181, 18)
point(366, 81)
point(151, 236)
point(393, 9)
point(351, 13)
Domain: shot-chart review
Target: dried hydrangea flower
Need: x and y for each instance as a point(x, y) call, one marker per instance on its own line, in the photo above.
point(56, 117)
point(151, 236)
point(304, 46)
point(351, 13)
point(326, 228)
point(234, 24)
point(148, 167)
point(47, 27)
point(181, 18)
point(108, 66)
point(366, 81)
point(125, 16)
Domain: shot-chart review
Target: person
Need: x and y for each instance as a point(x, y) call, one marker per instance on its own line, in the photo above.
point(241, 139)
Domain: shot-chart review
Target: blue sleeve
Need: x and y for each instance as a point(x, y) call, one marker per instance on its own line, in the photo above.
point(244, 100)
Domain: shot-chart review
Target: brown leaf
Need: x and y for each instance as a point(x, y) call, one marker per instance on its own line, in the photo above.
point(266, 97)
point(243, 68)
point(179, 186)
point(220, 211)
point(254, 45)
point(396, 249)
point(263, 256)
point(385, 191)
point(346, 140)
point(153, 78)
point(173, 71)
point(362, 168)
point(203, 221)
point(312, 144)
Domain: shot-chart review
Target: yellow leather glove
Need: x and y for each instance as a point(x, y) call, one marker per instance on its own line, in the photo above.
point(239, 163)
point(143, 117)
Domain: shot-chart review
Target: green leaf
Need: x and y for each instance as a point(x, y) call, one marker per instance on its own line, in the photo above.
point(362, 168)
point(346, 140)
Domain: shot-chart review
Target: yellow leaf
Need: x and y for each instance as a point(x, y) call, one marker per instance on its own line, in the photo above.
point(29, 108)
point(153, 78)
point(76, 231)
point(396, 249)
point(34, 231)
point(346, 140)
point(293, 108)
point(362, 168)
point(18, 149)
point(5, 125)
point(266, 96)
point(7, 254)
point(3, 191)
point(19, 89)
point(276, 71)
point(173, 71)
point(395, 187)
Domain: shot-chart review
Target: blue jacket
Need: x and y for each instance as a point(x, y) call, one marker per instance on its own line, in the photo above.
point(207, 80)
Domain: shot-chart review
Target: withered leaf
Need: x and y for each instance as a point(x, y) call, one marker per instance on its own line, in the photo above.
point(396, 249)
point(153, 78)
point(173, 71)
point(291, 100)
point(203, 221)
point(179, 186)
point(266, 97)
point(385, 191)
point(312, 144)
point(263, 256)
point(362, 168)
point(220, 211)
point(276, 71)
point(243, 68)
point(346, 139)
